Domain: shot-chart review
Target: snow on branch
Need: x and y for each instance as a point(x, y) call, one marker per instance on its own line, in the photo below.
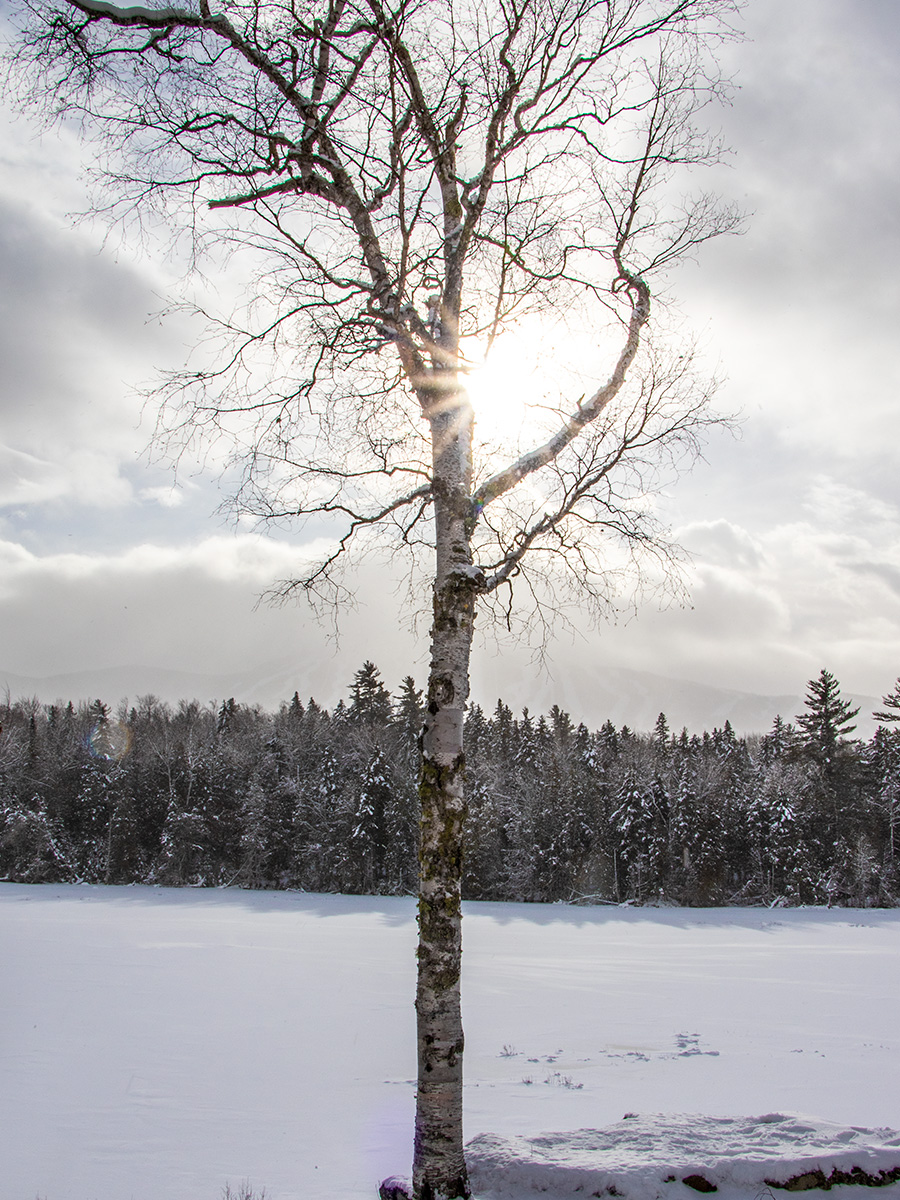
point(138, 14)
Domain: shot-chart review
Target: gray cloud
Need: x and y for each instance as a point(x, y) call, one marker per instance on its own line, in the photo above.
point(803, 307)
point(888, 573)
point(190, 608)
point(74, 341)
point(795, 525)
point(721, 543)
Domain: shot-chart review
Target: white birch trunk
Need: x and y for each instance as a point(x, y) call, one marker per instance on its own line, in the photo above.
point(439, 1170)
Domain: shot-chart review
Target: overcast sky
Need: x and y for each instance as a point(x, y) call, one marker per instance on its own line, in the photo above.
point(794, 526)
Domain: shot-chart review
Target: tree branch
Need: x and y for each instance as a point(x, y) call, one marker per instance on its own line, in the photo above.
point(587, 411)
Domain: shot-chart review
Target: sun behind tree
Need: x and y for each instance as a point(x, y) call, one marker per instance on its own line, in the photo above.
point(414, 175)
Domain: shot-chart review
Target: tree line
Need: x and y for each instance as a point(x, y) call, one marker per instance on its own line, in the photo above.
point(229, 794)
point(407, 183)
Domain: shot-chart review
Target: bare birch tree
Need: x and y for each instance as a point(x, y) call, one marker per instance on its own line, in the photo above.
point(416, 177)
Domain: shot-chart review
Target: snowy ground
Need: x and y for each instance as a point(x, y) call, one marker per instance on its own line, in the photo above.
point(156, 1044)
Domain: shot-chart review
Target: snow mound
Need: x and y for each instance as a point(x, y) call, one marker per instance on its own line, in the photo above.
point(670, 1157)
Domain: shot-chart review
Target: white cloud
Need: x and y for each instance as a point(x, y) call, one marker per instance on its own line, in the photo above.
point(248, 558)
point(795, 529)
point(803, 306)
point(190, 608)
point(169, 496)
point(720, 542)
point(834, 504)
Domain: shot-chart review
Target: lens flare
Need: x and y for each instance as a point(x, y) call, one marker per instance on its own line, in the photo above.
point(109, 741)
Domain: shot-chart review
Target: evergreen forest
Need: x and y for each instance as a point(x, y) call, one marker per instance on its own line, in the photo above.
point(229, 794)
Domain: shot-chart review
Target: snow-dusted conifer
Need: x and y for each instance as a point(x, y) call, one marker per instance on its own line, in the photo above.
point(827, 721)
point(370, 702)
point(890, 714)
point(369, 837)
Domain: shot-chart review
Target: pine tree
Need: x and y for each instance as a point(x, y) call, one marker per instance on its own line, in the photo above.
point(368, 836)
point(254, 838)
point(370, 702)
point(661, 735)
point(182, 846)
point(226, 718)
point(409, 710)
point(502, 733)
point(525, 740)
point(608, 743)
point(891, 711)
point(31, 851)
point(684, 833)
point(834, 781)
point(827, 720)
point(780, 740)
point(558, 832)
point(123, 854)
point(94, 803)
point(640, 824)
point(265, 839)
point(477, 735)
point(484, 851)
point(886, 770)
point(561, 724)
point(791, 869)
point(889, 801)
point(322, 827)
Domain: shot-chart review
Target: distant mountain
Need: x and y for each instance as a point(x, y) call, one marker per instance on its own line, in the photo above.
point(625, 697)
point(267, 687)
point(636, 698)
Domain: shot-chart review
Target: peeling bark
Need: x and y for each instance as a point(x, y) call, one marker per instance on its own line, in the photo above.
point(331, 121)
point(439, 1169)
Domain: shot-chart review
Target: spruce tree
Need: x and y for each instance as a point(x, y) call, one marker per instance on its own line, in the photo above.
point(891, 711)
point(661, 735)
point(827, 720)
point(370, 702)
point(887, 803)
point(409, 710)
point(368, 835)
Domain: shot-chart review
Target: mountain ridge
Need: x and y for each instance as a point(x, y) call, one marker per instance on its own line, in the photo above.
point(622, 695)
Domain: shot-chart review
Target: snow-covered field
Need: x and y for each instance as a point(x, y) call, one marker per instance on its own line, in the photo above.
point(156, 1044)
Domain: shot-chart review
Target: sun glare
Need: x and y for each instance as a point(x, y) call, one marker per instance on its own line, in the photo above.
point(507, 390)
point(531, 377)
